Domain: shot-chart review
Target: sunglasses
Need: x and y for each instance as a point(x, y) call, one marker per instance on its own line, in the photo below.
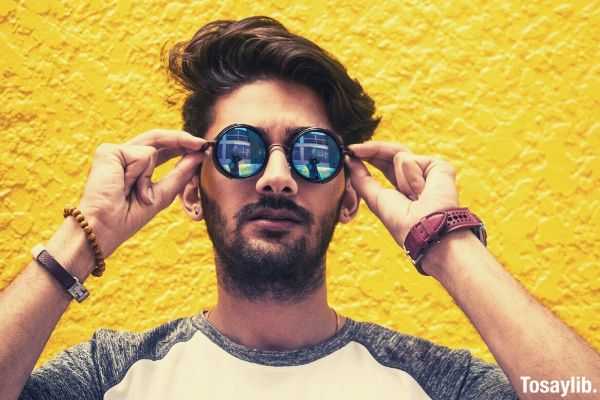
point(315, 154)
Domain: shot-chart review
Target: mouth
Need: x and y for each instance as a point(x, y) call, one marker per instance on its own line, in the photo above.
point(275, 219)
point(273, 225)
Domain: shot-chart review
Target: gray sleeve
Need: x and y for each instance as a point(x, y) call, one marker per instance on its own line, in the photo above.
point(448, 373)
point(72, 375)
point(443, 373)
point(485, 381)
point(88, 370)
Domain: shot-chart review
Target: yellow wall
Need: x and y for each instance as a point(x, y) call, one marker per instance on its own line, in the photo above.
point(509, 92)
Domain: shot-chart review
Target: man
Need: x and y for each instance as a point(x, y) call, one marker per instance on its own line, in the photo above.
point(313, 169)
point(272, 333)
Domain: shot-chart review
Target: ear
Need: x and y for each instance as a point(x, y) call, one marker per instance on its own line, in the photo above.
point(350, 202)
point(190, 199)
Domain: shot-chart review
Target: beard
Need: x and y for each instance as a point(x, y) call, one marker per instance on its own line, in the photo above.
point(280, 271)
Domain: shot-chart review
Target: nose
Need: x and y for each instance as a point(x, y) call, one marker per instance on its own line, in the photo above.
point(277, 177)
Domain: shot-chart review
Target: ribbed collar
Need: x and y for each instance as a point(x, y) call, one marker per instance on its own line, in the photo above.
point(277, 358)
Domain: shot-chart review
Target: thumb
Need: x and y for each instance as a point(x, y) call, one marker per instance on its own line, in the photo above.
point(167, 188)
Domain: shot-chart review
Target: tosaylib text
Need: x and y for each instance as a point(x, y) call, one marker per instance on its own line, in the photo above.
point(573, 385)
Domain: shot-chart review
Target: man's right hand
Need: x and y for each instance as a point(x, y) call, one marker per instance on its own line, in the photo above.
point(120, 197)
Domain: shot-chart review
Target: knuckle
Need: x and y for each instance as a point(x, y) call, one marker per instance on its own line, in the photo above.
point(400, 158)
point(105, 148)
point(148, 150)
point(452, 170)
point(449, 168)
point(140, 151)
point(413, 182)
point(152, 158)
point(153, 132)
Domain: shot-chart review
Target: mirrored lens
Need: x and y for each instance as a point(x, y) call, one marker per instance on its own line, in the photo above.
point(316, 155)
point(240, 152)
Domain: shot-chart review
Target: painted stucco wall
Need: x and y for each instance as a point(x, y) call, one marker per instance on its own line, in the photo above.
point(509, 92)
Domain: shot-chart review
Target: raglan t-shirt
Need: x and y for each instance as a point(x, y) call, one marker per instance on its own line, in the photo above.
point(190, 359)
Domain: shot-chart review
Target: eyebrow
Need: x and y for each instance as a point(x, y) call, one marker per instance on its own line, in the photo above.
point(289, 132)
point(292, 131)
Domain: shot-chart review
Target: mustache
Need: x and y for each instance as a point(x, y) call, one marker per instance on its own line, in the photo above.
point(274, 203)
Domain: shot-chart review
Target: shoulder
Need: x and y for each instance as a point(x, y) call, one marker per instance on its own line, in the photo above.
point(152, 343)
point(442, 371)
point(88, 369)
point(114, 352)
point(392, 347)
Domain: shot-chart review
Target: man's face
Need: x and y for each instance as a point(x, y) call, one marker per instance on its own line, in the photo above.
point(258, 257)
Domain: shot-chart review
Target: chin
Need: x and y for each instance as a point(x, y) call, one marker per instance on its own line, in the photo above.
point(269, 241)
point(271, 235)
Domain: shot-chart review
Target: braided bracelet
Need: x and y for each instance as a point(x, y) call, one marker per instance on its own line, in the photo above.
point(91, 237)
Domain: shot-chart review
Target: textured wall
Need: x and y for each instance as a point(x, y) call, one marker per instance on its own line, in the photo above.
point(509, 92)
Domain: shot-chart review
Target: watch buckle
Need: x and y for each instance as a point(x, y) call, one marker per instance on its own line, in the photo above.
point(78, 291)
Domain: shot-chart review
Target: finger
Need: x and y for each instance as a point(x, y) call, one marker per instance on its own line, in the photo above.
point(409, 171)
point(143, 185)
point(162, 138)
point(134, 160)
point(362, 181)
point(167, 188)
point(399, 178)
point(166, 154)
point(374, 151)
point(414, 168)
point(366, 186)
point(381, 155)
point(440, 175)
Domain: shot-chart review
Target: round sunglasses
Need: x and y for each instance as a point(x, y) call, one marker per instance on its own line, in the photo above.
point(315, 154)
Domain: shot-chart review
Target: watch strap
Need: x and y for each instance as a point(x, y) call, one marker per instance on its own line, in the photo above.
point(431, 228)
point(69, 282)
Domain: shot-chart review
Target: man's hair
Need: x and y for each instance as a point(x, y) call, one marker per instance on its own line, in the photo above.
point(224, 55)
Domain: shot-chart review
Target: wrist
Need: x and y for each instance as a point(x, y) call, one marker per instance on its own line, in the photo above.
point(70, 248)
point(442, 258)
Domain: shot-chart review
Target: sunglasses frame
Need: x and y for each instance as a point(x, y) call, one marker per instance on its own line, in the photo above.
point(288, 150)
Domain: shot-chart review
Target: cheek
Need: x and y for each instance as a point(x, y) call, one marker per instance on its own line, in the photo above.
point(208, 175)
point(215, 183)
point(231, 194)
point(323, 200)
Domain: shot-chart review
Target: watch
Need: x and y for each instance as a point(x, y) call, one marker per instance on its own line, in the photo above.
point(431, 228)
point(69, 282)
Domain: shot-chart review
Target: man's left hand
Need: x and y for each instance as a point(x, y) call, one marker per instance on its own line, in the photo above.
point(422, 184)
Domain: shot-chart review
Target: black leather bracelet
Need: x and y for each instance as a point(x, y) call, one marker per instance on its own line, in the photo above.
point(69, 282)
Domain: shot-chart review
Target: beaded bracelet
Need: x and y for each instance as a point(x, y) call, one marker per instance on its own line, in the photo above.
point(91, 237)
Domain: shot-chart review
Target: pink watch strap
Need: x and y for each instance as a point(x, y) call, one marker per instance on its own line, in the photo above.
point(430, 229)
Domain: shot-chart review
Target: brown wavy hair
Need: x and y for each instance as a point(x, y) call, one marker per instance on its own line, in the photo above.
point(223, 55)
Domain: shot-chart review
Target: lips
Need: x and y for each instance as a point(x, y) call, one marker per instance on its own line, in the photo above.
point(276, 215)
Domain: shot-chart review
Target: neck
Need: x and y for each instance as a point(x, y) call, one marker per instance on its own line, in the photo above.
point(269, 325)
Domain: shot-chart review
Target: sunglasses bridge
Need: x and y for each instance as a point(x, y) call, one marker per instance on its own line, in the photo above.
point(284, 149)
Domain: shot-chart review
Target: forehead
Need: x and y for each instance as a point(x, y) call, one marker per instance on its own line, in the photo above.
point(275, 106)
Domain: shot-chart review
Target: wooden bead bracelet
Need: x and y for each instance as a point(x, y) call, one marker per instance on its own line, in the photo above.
point(91, 237)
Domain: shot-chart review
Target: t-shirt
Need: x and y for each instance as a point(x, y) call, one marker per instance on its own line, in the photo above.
point(190, 359)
